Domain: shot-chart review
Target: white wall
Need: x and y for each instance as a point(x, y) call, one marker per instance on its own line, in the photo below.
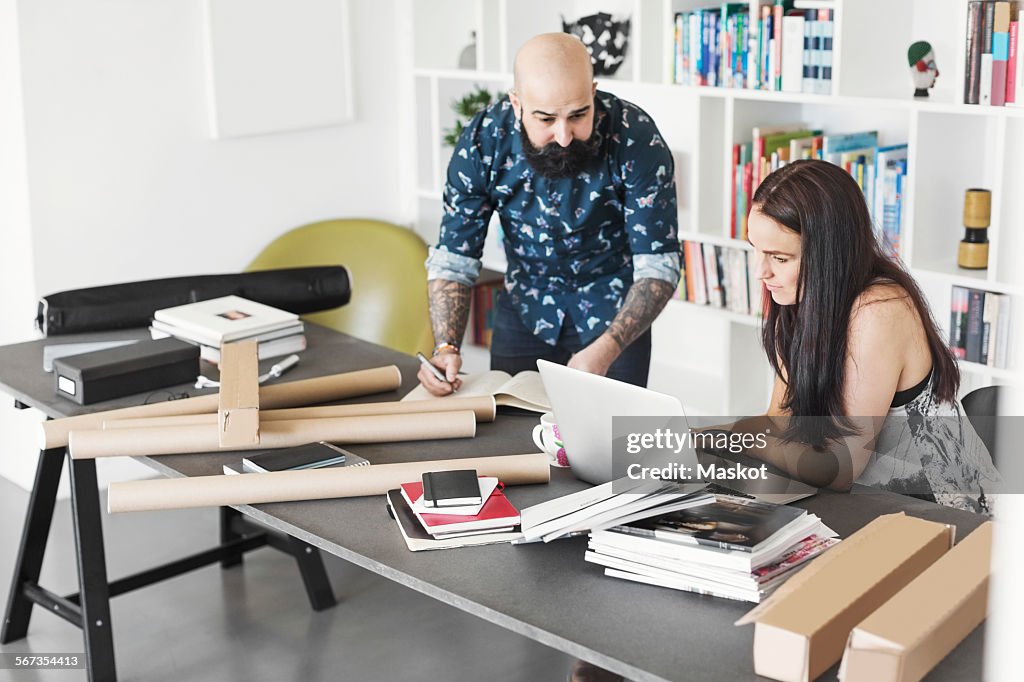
point(123, 180)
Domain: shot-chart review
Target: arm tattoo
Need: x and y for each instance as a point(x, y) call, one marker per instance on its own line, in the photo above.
point(644, 301)
point(449, 310)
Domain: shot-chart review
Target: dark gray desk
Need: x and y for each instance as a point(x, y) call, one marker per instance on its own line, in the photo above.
point(546, 592)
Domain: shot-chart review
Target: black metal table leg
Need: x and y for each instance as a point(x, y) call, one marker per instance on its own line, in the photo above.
point(33, 544)
point(92, 572)
point(314, 575)
point(229, 534)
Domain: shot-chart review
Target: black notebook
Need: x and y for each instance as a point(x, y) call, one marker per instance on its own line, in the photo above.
point(309, 456)
point(451, 488)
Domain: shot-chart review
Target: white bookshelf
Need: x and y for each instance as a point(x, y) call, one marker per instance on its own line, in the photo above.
point(711, 358)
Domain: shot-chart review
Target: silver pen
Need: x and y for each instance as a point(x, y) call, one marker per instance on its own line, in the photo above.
point(438, 374)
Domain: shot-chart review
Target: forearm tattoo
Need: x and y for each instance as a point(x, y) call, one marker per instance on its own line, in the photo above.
point(449, 310)
point(644, 300)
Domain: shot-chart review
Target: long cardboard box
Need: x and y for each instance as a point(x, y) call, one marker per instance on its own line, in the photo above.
point(801, 630)
point(913, 631)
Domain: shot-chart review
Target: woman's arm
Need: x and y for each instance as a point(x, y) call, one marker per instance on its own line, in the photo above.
point(879, 333)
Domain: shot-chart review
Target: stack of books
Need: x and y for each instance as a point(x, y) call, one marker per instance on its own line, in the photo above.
point(994, 60)
point(720, 276)
point(212, 323)
point(787, 47)
point(492, 521)
point(607, 505)
point(979, 326)
point(734, 547)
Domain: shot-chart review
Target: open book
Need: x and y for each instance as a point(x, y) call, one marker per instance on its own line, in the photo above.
point(524, 390)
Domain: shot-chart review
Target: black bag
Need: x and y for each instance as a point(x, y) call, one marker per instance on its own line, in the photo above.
point(129, 305)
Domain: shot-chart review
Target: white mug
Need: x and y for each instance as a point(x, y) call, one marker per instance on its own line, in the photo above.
point(547, 438)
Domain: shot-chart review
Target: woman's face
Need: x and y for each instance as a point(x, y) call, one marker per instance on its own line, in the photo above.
point(777, 256)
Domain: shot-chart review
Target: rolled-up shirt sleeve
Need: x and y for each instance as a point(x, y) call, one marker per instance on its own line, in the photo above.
point(467, 208)
point(663, 266)
point(443, 264)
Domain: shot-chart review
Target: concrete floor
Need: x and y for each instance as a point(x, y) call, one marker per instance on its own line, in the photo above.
point(254, 622)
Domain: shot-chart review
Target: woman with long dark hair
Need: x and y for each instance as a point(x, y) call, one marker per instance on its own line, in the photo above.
point(864, 382)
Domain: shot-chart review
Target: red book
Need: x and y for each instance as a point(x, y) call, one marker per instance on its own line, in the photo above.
point(497, 512)
point(1011, 64)
point(733, 231)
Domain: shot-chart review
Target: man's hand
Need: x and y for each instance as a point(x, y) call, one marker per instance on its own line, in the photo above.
point(449, 364)
point(597, 357)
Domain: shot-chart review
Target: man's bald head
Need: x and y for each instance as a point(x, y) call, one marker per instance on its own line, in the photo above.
point(552, 62)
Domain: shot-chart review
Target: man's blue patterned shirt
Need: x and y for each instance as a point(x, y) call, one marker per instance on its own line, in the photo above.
point(574, 245)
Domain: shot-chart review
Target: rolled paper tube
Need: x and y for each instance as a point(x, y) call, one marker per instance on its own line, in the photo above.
point(180, 440)
point(54, 433)
point(483, 406)
point(311, 484)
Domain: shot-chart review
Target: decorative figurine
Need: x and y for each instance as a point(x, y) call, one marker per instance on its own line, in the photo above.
point(922, 67)
point(605, 39)
point(973, 251)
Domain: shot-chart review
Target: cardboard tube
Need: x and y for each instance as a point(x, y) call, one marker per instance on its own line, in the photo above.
point(313, 484)
point(54, 433)
point(483, 406)
point(179, 440)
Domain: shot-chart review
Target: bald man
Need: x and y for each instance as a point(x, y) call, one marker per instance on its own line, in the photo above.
point(583, 185)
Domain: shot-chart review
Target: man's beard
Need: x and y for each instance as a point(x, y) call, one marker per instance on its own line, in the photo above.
point(554, 161)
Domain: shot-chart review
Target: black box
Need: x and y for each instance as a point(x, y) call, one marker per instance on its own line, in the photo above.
point(115, 372)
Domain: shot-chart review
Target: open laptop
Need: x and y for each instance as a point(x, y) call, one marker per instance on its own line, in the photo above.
point(584, 405)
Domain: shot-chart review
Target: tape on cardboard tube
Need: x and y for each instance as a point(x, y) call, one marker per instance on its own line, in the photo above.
point(314, 484)
point(482, 406)
point(180, 440)
point(54, 433)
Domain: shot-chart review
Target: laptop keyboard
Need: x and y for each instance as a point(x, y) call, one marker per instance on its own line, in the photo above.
point(717, 489)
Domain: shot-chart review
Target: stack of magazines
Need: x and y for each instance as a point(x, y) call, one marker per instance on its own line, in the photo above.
point(734, 547)
point(212, 323)
point(607, 505)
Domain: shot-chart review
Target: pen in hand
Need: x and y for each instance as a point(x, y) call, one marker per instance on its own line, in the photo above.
point(438, 374)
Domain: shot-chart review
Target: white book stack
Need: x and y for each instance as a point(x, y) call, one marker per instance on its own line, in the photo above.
point(734, 547)
point(212, 323)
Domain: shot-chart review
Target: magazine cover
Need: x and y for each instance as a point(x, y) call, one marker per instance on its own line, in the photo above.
point(729, 522)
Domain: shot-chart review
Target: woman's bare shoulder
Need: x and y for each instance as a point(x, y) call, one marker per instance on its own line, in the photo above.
point(883, 306)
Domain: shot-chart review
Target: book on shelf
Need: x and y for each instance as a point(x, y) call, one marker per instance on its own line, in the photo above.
point(720, 276)
point(417, 539)
point(217, 321)
point(524, 390)
point(496, 514)
point(979, 326)
point(786, 46)
point(732, 547)
point(310, 456)
point(992, 53)
point(1013, 61)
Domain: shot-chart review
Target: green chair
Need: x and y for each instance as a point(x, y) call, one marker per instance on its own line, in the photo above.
point(389, 279)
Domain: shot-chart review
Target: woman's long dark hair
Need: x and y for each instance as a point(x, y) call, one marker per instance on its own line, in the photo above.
point(840, 258)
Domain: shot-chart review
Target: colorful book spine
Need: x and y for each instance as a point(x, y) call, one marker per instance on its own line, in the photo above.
point(972, 60)
point(958, 322)
point(1000, 51)
point(1011, 62)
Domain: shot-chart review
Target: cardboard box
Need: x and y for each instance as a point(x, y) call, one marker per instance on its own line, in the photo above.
point(238, 414)
point(801, 630)
point(125, 370)
point(913, 631)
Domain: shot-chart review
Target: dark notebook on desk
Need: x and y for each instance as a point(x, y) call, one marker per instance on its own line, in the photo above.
point(310, 456)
